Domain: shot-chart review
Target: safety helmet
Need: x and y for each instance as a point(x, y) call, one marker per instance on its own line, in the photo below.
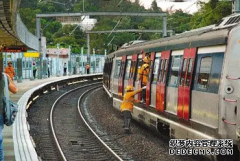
point(129, 88)
point(146, 60)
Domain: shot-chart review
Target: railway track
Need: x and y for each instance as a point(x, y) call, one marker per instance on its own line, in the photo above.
point(75, 138)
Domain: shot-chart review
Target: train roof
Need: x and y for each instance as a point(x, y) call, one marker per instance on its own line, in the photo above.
point(207, 36)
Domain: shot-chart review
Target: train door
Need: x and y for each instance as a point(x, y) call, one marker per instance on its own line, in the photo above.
point(138, 83)
point(110, 72)
point(148, 89)
point(127, 71)
point(121, 76)
point(173, 81)
point(115, 74)
point(105, 72)
point(154, 79)
point(185, 83)
point(132, 70)
point(161, 81)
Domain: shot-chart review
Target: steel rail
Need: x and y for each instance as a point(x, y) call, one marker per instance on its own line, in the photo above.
point(80, 113)
point(51, 118)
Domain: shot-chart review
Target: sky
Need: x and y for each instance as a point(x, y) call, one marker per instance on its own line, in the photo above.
point(189, 7)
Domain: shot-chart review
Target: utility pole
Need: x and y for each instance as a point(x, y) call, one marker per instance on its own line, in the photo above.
point(94, 57)
point(57, 67)
point(88, 48)
point(82, 58)
point(38, 25)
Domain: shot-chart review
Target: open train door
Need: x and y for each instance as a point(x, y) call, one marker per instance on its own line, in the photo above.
point(161, 81)
point(139, 64)
point(121, 76)
point(133, 70)
point(148, 89)
point(185, 83)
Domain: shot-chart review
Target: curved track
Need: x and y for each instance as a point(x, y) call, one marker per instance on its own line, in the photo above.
point(74, 139)
point(71, 131)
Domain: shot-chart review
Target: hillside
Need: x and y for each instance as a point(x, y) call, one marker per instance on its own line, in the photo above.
point(74, 36)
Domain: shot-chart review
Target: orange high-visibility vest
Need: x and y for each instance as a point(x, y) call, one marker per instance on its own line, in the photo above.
point(143, 74)
point(128, 100)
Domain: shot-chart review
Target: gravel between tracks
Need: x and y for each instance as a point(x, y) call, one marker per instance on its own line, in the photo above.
point(142, 144)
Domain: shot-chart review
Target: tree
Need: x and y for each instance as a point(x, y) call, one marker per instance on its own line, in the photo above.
point(179, 21)
point(210, 13)
point(154, 7)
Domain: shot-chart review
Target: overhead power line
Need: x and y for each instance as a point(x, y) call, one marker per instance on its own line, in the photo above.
point(119, 3)
point(115, 26)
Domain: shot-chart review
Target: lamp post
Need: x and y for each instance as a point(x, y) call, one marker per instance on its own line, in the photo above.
point(82, 58)
point(38, 26)
point(94, 57)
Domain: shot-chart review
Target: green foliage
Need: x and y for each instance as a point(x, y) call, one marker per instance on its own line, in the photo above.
point(178, 21)
point(154, 7)
point(210, 13)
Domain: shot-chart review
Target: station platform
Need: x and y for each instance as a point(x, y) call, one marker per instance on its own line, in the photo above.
point(24, 86)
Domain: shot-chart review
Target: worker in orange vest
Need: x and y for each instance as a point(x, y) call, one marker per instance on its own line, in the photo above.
point(88, 68)
point(127, 106)
point(143, 76)
point(10, 70)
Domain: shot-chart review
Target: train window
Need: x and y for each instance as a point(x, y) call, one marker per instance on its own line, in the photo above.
point(132, 70)
point(117, 69)
point(122, 69)
point(204, 73)
point(160, 70)
point(165, 71)
point(150, 71)
point(127, 71)
point(139, 64)
point(155, 69)
point(182, 78)
point(190, 65)
point(176, 63)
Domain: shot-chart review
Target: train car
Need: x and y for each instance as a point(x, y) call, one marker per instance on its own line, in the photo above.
point(193, 86)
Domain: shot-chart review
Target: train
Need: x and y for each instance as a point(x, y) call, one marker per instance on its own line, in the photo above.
point(193, 89)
